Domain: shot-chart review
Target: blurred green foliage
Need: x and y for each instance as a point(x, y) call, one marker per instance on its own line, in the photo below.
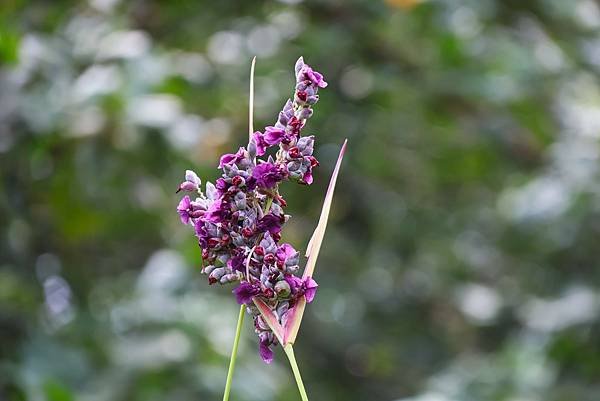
point(461, 259)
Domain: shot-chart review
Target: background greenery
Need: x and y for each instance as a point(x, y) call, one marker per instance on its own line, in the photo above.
point(461, 259)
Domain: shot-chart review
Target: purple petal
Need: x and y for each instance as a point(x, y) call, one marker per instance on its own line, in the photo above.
point(308, 177)
point(183, 209)
point(294, 282)
point(269, 222)
point(286, 251)
point(259, 141)
point(215, 212)
point(310, 288)
point(299, 65)
point(236, 263)
point(187, 186)
point(226, 159)
point(184, 216)
point(314, 77)
point(245, 292)
point(266, 353)
point(231, 158)
point(273, 135)
point(192, 177)
point(267, 175)
point(184, 203)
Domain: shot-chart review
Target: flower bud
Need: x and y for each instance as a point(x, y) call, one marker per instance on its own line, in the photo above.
point(294, 166)
point(237, 239)
point(294, 152)
point(208, 269)
point(305, 113)
point(252, 150)
point(269, 259)
point(282, 288)
point(216, 275)
point(237, 181)
point(230, 278)
point(240, 200)
point(312, 99)
point(268, 293)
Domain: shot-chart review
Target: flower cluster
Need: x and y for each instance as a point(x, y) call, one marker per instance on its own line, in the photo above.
point(238, 220)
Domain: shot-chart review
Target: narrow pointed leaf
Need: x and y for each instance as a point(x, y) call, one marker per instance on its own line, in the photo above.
point(314, 245)
point(251, 101)
point(293, 321)
point(270, 318)
point(294, 316)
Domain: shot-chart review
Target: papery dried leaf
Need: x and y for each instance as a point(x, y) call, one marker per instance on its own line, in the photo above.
point(293, 321)
point(314, 245)
point(294, 315)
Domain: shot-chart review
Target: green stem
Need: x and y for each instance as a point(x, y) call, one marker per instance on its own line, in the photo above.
point(268, 204)
point(236, 342)
point(289, 351)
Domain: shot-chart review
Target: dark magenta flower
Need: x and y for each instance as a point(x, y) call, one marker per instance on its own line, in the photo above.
point(305, 73)
point(285, 252)
point(294, 282)
point(216, 212)
point(260, 143)
point(245, 292)
point(266, 340)
point(310, 288)
point(307, 287)
point(315, 77)
point(274, 136)
point(267, 175)
point(236, 263)
point(232, 158)
point(270, 223)
point(307, 178)
point(192, 182)
point(184, 209)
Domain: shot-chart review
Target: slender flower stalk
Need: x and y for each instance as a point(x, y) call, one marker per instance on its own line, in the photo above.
point(289, 351)
point(238, 222)
point(234, 350)
point(240, 322)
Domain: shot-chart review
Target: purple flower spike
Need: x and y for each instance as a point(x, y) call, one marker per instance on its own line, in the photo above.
point(238, 219)
point(245, 292)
